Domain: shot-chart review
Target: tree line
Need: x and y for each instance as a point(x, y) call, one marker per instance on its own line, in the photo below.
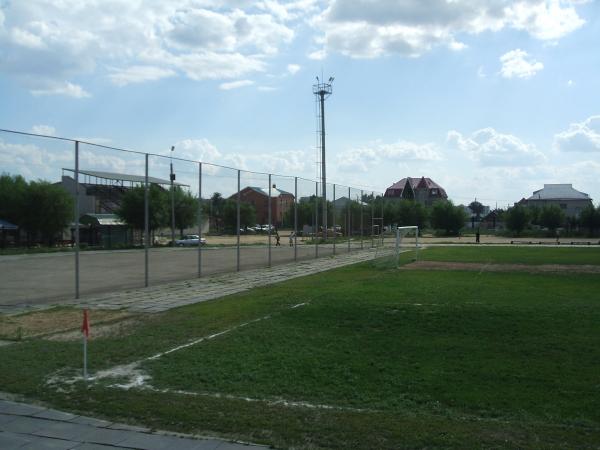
point(41, 209)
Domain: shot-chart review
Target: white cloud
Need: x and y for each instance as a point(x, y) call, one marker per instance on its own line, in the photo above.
point(368, 29)
point(45, 44)
point(515, 65)
point(46, 130)
point(235, 84)
point(580, 137)
point(293, 68)
point(67, 89)
point(377, 153)
point(139, 74)
point(491, 148)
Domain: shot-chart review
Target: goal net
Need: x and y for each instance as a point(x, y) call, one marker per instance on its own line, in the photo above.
point(407, 238)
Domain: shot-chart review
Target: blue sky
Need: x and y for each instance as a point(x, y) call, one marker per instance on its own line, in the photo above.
point(491, 99)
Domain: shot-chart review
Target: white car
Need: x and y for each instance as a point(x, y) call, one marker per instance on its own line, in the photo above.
point(190, 240)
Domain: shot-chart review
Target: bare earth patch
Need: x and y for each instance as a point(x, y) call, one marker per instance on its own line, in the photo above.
point(483, 267)
point(57, 320)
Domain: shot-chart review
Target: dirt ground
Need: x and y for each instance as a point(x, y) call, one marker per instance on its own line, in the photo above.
point(479, 267)
point(64, 321)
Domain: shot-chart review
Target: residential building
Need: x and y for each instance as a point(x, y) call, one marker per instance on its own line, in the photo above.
point(281, 202)
point(423, 190)
point(570, 200)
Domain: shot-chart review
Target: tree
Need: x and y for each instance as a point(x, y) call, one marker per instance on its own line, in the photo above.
point(551, 217)
point(445, 216)
point(247, 215)
point(516, 218)
point(590, 218)
point(217, 202)
point(47, 210)
point(477, 209)
point(186, 209)
point(13, 190)
point(133, 204)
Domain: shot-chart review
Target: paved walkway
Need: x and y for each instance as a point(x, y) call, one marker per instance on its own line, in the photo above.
point(172, 295)
point(25, 426)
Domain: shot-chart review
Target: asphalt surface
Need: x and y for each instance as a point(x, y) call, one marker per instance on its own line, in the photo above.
point(24, 426)
point(46, 278)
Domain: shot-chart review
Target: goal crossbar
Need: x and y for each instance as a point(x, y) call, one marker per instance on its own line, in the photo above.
point(399, 231)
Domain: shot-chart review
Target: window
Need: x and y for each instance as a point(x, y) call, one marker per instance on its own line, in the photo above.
point(563, 206)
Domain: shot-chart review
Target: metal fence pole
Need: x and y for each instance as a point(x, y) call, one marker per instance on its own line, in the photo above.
point(238, 220)
point(269, 215)
point(349, 212)
point(76, 219)
point(146, 224)
point(199, 219)
point(372, 218)
point(295, 218)
point(382, 223)
point(361, 219)
point(316, 228)
point(334, 210)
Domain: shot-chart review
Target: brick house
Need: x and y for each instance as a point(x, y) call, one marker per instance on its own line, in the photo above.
point(423, 190)
point(570, 200)
point(281, 202)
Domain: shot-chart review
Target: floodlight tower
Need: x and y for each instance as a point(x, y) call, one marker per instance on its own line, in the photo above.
point(322, 90)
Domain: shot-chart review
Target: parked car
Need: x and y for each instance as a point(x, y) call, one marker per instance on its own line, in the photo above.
point(190, 240)
point(265, 228)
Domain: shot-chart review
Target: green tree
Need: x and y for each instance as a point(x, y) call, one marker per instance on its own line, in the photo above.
point(13, 190)
point(133, 204)
point(47, 210)
point(516, 218)
point(186, 209)
point(477, 209)
point(590, 218)
point(247, 215)
point(215, 210)
point(551, 217)
point(445, 216)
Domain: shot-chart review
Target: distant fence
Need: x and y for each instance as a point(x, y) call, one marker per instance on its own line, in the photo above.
point(289, 209)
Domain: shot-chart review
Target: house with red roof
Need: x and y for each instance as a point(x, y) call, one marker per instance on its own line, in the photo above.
point(423, 190)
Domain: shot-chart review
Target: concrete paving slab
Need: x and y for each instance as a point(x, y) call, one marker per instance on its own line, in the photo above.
point(48, 444)
point(7, 418)
point(24, 425)
point(95, 447)
point(157, 442)
point(9, 441)
point(55, 415)
point(20, 409)
point(63, 430)
point(105, 436)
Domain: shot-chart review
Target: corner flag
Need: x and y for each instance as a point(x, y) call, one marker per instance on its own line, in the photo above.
point(85, 329)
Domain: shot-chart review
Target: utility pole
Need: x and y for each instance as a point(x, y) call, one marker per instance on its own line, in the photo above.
point(173, 200)
point(322, 90)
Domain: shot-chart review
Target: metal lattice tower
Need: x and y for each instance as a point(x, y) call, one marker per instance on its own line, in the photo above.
point(321, 91)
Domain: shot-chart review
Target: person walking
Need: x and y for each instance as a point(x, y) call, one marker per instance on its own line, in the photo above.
point(277, 238)
point(292, 236)
point(477, 236)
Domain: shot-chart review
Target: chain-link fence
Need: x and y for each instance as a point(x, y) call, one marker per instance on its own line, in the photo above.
point(137, 219)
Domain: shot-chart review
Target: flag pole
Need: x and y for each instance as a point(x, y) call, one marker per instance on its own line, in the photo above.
point(84, 357)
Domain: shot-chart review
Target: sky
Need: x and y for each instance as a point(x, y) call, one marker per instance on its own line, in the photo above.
point(491, 99)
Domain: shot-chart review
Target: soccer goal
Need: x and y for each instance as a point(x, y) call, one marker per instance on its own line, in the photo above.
point(407, 234)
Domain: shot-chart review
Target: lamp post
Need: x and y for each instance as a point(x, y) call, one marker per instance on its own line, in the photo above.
point(172, 177)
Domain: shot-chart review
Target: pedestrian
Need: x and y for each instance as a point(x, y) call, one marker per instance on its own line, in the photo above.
point(292, 236)
point(477, 236)
point(277, 244)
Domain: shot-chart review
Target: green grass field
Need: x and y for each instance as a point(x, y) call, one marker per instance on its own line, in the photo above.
point(374, 358)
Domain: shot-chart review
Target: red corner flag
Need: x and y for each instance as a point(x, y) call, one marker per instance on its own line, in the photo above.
point(85, 328)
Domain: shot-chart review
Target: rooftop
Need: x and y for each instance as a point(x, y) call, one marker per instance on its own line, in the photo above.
point(559, 192)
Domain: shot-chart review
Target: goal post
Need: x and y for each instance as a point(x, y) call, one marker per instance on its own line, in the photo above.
point(401, 232)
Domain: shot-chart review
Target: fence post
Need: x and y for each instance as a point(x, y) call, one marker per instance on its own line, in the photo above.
point(349, 212)
point(199, 219)
point(269, 215)
point(146, 224)
point(382, 223)
point(76, 219)
point(372, 218)
point(238, 220)
point(316, 228)
point(333, 219)
point(295, 218)
point(361, 220)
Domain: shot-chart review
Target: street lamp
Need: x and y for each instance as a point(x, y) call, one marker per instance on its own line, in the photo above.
point(172, 177)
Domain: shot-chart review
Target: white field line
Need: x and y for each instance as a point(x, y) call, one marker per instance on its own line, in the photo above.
point(136, 378)
point(278, 402)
